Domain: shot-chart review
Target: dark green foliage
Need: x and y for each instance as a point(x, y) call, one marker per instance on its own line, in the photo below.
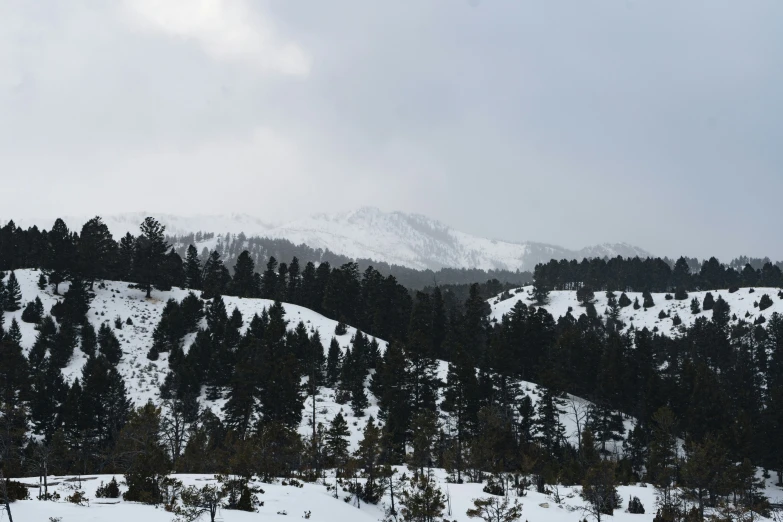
point(720, 312)
point(12, 297)
point(636, 304)
point(96, 251)
point(680, 294)
point(76, 304)
point(765, 302)
point(340, 329)
point(33, 311)
point(695, 308)
point(585, 295)
point(42, 282)
point(647, 299)
point(709, 301)
point(108, 344)
point(143, 455)
point(110, 490)
point(89, 342)
point(624, 301)
point(635, 506)
point(215, 277)
point(662, 315)
point(337, 441)
point(243, 284)
point(192, 269)
point(676, 320)
point(149, 255)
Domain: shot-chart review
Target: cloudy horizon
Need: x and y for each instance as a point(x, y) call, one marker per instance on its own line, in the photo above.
point(657, 124)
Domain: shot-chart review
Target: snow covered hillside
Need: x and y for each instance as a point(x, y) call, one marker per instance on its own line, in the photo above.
point(741, 303)
point(143, 377)
point(410, 240)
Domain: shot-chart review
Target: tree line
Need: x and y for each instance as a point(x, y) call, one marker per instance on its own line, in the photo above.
point(718, 386)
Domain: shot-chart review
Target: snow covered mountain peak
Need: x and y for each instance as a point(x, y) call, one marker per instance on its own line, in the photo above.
point(397, 238)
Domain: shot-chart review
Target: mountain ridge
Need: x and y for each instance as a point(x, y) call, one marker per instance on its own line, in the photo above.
point(397, 238)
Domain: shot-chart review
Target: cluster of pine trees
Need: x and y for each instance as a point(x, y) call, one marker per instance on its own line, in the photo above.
point(718, 386)
point(653, 275)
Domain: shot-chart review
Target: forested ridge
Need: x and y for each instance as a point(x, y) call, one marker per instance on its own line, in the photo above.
point(717, 387)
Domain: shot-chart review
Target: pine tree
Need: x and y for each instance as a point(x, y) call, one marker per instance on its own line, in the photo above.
point(63, 345)
point(624, 301)
point(550, 431)
point(150, 253)
point(243, 284)
point(585, 295)
point(42, 282)
point(636, 304)
point(125, 253)
point(423, 501)
point(14, 333)
point(12, 297)
point(96, 250)
point(49, 389)
point(89, 343)
point(709, 302)
point(721, 312)
point(192, 269)
point(60, 254)
point(108, 344)
point(648, 299)
point(695, 308)
point(76, 304)
point(337, 441)
point(599, 490)
point(143, 455)
point(215, 277)
point(333, 363)
point(269, 280)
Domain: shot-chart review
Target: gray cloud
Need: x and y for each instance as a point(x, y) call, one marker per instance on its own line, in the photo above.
point(656, 123)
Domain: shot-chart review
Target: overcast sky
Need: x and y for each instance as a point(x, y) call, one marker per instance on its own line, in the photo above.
point(656, 122)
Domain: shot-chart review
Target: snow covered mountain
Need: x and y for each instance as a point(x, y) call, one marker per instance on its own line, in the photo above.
point(410, 240)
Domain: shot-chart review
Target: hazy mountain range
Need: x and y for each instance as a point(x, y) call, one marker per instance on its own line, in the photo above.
point(410, 240)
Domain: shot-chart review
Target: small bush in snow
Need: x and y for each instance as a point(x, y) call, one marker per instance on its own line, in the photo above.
point(765, 302)
point(118, 322)
point(635, 506)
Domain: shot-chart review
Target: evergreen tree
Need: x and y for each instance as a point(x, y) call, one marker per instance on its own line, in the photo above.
point(150, 253)
point(550, 431)
point(108, 344)
point(624, 301)
point(89, 343)
point(337, 442)
point(12, 297)
point(215, 277)
point(709, 301)
point(60, 254)
point(143, 455)
point(333, 363)
point(192, 269)
point(14, 333)
point(48, 390)
point(695, 308)
point(125, 257)
point(243, 284)
point(96, 250)
point(720, 312)
point(76, 304)
point(269, 280)
point(423, 501)
point(585, 295)
point(648, 299)
point(63, 345)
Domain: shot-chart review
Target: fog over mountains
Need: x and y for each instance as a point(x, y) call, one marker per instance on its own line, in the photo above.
point(410, 240)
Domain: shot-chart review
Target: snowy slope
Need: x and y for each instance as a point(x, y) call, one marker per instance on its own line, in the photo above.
point(410, 240)
point(741, 303)
point(144, 377)
point(287, 501)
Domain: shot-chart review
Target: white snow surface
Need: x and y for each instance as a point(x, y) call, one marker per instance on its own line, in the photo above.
point(410, 240)
point(741, 303)
point(284, 502)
